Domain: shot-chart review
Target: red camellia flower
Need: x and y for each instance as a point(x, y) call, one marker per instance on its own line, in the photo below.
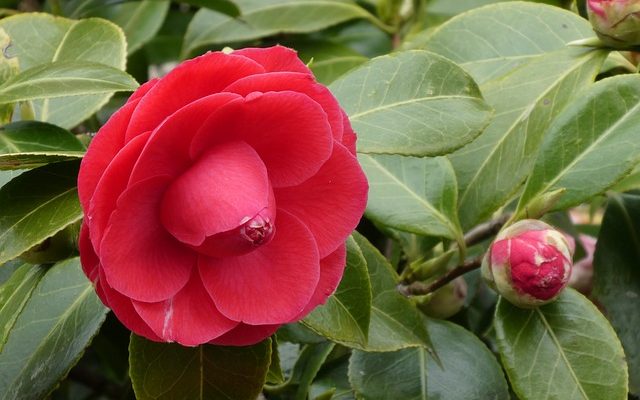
point(529, 263)
point(218, 199)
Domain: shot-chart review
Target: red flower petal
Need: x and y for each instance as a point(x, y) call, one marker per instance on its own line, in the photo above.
point(108, 141)
point(348, 136)
point(143, 90)
point(191, 80)
point(227, 185)
point(189, 318)
point(330, 203)
point(295, 82)
point(111, 185)
point(331, 270)
point(167, 150)
point(88, 258)
point(126, 313)
point(245, 335)
point(275, 59)
point(289, 131)
point(140, 259)
point(270, 285)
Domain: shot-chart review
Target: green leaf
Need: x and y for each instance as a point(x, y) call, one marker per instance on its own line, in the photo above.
point(65, 78)
point(140, 20)
point(307, 366)
point(345, 317)
point(412, 194)
point(36, 205)
point(274, 374)
point(629, 182)
point(29, 144)
point(9, 66)
point(170, 371)
point(395, 322)
point(61, 315)
point(412, 103)
point(333, 379)
point(261, 18)
point(329, 60)
point(591, 145)
point(14, 295)
point(466, 369)
point(617, 276)
point(38, 39)
point(517, 52)
point(226, 7)
point(563, 350)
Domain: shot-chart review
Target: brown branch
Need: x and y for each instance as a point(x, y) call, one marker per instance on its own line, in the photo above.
point(421, 288)
point(486, 230)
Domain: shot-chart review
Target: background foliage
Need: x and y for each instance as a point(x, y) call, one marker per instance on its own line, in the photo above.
point(469, 112)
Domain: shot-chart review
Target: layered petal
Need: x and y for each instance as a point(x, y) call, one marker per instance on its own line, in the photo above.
point(275, 59)
point(331, 202)
point(245, 335)
point(88, 258)
point(189, 81)
point(111, 185)
point(167, 150)
point(295, 82)
point(142, 90)
point(123, 308)
point(270, 285)
point(189, 318)
point(288, 130)
point(331, 270)
point(107, 143)
point(348, 135)
point(227, 186)
point(140, 258)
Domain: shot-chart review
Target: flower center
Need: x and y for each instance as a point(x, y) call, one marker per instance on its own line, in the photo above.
point(257, 230)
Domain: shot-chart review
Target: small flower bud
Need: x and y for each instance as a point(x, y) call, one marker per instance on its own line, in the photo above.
point(529, 263)
point(445, 302)
point(616, 22)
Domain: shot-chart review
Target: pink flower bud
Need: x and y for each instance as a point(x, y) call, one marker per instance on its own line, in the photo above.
point(616, 22)
point(529, 263)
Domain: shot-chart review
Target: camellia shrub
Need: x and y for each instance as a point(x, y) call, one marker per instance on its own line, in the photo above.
point(319, 199)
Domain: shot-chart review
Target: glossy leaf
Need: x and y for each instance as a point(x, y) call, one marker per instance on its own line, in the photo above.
point(466, 369)
point(29, 144)
point(395, 322)
point(593, 144)
point(517, 52)
point(311, 359)
point(60, 315)
point(39, 38)
point(346, 315)
point(412, 103)
point(563, 350)
point(629, 182)
point(170, 371)
point(227, 7)
point(9, 66)
point(412, 194)
point(65, 78)
point(14, 296)
point(36, 205)
point(617, 276)
point(140, 20)
point(329, 60)
point(261, 18)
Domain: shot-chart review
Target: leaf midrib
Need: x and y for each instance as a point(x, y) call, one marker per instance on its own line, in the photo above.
point(444, 220)
point(72, 307)
point(198, 42)
point(526, 111)
point(555, 340)
point(32, 211)
point(410, 101)
point(587, 150)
